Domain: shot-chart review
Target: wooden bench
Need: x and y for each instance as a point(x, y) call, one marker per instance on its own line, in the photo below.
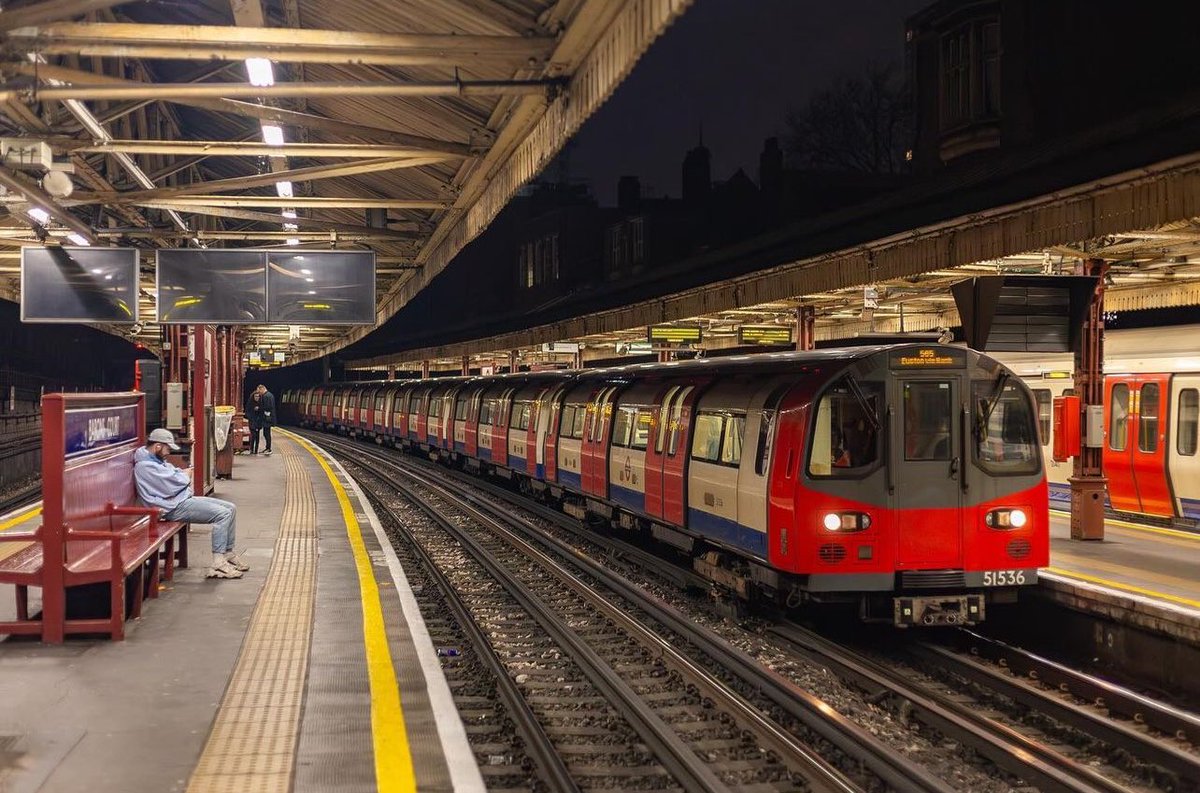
point(91, 521)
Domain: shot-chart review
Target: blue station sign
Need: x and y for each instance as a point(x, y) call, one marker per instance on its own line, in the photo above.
point(94, 429)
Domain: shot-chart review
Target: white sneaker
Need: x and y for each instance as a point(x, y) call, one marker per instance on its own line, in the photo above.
point(225, 570)
point(234, 560)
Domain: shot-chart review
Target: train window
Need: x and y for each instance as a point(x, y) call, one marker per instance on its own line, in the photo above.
point(623, 426)
point(435, 407)
point(766, 430)
point(1118, 418)
point(1045, 413)
point(731, 445)
point(844, 440)
point(706, 443)
point(460, 409)
point(485, 412)
point(663, 419)
point(580, 418)
point(521, 414)
point(927, 414)
point(1006, 438)
point(1148, 419)
point(1189, 421)
point(676, 419)
point(379, 402)
point(641, 429)
point(566, 421)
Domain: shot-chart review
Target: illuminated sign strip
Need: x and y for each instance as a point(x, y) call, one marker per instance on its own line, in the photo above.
point(673, 333)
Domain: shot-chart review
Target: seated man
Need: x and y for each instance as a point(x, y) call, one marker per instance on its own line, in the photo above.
point(162, 485)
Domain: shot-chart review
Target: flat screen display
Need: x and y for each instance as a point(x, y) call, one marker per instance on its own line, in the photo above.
point(321, 287)
point(79, 284)
point(215, 287)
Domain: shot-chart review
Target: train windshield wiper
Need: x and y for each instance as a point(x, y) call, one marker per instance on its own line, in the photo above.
point(867, 408)
point(993, 401)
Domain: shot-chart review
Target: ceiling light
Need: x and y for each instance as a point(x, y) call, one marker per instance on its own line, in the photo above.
point(39, 214)
point(289, 213)
point(260, 71)
point(79, 239)
point(312, 291)
point(304, 272)
point(290, 227)
point(309, 280)
point(96, 271)
point(284, 189)
point(272, 135)
point(294, 241)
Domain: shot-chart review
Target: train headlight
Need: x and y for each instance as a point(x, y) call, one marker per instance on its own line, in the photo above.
point(1006, 519)
point(846, 521)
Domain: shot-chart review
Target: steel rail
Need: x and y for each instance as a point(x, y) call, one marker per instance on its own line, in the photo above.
point(1018, 754)
point(1171, 721)
point(814, 713)
point(680, 761)
point(537, 743)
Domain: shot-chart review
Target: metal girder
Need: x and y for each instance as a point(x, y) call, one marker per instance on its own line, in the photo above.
point(214, 42)
point(266, 217)
point(172, 91)
point(52, 10)
point(217, 148)
point(308, 202)
point(256, 111)
point(310, 174)
point(325, 238)
point(26, 186)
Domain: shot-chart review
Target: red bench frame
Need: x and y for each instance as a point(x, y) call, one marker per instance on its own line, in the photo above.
point(91, 520)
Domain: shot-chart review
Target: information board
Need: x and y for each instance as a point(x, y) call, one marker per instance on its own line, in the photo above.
point(765, 334)
point(676, 334)
point(321, 287)
point(211, 287)
point(83, 284)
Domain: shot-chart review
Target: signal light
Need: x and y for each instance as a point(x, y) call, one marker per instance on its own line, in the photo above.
point(1006, 519)
point(846, 521)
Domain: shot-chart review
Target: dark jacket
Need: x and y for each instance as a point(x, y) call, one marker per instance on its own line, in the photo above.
point(267, 404)
point(254, 413)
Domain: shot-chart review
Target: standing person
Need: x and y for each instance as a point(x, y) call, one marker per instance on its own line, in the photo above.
point(254, 419)
point(162, 485)
point(266, 401)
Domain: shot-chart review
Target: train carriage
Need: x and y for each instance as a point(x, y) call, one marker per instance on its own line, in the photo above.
point(908, 480)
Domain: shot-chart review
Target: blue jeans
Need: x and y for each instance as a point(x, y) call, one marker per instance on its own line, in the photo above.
point(202, 509)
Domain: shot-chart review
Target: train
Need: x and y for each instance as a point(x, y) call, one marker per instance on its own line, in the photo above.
point(1151, 417)
point(904, 480)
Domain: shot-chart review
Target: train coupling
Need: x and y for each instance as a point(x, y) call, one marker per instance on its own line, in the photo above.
point(935, 610)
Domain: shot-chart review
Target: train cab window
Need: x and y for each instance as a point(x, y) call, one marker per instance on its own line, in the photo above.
point(766, 431)
point(641, 429)
point(1045, 413)
point(1006, 430)
point(623, 426)
point(928, 411)
point(1189, 421)
point(844, 440)
point(1118, 418)
point(1148, 419)
point(706, 443)
point(460, 409)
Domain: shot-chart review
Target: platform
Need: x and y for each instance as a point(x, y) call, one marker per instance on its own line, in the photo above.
point(312, 673)
point(1140, 575)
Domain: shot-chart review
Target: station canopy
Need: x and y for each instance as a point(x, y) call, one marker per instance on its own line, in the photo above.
point(399, 127)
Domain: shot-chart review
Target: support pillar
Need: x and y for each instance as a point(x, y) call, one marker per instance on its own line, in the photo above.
point(391, 371)
point(664, 353)
point(513, 360)
point(577, 360)
point(806, 322)
point(1087, 480)
point(425, 369)
point(466, 365)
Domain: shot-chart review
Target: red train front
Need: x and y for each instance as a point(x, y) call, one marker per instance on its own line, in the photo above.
point(905, 479)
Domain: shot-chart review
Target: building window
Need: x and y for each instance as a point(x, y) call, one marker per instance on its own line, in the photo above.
point(637, 240)
point(970, 74)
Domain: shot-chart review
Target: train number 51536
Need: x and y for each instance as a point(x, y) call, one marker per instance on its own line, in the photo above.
point(1003, 577)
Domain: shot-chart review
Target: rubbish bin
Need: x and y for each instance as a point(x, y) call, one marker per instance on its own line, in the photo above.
point(222, 419)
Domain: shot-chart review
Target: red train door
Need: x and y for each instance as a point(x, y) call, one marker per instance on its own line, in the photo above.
point(678, 446)
point(593, 459)
point(471, 425)
point(656, 451)
point(550, 453)
point(926, 451)
point(1136, 411)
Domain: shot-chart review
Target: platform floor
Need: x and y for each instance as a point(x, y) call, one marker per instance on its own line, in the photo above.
point(1146, 561)
point(312, 673)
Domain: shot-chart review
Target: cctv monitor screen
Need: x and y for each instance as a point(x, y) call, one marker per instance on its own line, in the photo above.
point(79, 284)
point(205, 286)
point(321, 287)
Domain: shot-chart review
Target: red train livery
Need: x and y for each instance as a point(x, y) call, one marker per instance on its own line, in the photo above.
point(906, 479)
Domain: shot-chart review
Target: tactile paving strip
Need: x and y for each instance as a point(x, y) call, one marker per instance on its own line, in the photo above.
point(252, 746)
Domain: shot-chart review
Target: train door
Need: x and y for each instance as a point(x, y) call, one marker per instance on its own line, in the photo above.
point(552, 413)
point(927, 461)
point(1135, 454)
point(1183, 460)
point(594, 459)
point(656, 451)
point(678, 445)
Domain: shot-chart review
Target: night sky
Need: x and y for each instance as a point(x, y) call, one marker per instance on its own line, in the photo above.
point(735, 66)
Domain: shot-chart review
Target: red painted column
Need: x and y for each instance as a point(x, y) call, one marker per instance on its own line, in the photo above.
point(54, 554)
point(806, 321)
point(425, 370)
point(1087, 480)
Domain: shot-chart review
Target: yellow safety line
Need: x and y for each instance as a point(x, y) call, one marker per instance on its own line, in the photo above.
point(19, 519)
point(393, 760)
point(1137, 590)
point(1183, 535)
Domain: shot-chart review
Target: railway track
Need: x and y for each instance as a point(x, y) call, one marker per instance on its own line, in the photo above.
point(17, 499)
point(1146, 737)
point(574, 634)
